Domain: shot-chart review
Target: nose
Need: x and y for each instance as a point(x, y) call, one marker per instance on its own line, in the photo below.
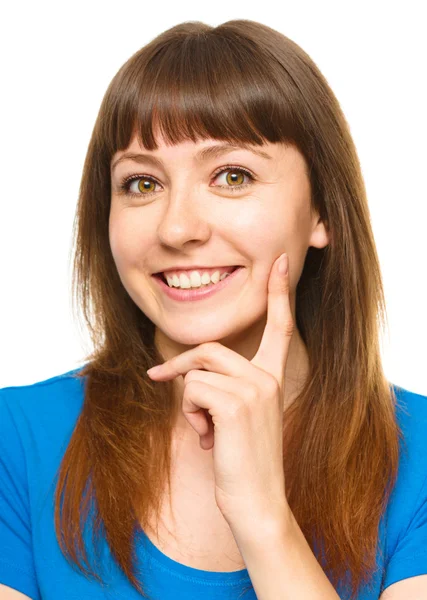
point(184, 220)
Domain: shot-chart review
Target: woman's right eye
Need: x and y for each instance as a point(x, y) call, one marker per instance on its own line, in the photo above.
point(126, 184)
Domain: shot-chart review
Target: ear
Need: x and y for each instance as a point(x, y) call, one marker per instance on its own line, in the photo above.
point(320, 234)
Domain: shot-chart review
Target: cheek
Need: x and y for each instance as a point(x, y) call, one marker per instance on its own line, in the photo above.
point(126, 239)
point(255, 225)
point(268, 232)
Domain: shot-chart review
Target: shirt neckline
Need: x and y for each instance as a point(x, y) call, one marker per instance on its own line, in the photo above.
point(176, 568)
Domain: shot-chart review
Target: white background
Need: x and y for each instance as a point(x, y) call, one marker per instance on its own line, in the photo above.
point(57, 60)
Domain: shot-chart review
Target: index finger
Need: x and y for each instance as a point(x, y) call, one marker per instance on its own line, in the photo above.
point(273, 349)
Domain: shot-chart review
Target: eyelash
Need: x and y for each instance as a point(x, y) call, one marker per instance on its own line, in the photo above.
point(126, 182)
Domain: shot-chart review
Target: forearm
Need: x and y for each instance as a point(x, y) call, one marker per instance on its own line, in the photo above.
point(282, 566)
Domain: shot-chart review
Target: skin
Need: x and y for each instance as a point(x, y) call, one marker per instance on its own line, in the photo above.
point(190, 219)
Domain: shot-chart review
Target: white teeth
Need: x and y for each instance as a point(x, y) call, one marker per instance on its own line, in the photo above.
point(194, 281)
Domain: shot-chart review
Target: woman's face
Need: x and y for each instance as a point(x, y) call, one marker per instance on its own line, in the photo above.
point(189, 219)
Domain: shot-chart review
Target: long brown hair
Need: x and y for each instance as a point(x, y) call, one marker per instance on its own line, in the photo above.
point(247, 83)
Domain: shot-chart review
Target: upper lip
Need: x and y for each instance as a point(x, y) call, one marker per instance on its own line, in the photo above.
point(192, 268)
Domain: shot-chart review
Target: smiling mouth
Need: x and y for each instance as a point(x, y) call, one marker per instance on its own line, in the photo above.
point(161, 276)
point(204, 291)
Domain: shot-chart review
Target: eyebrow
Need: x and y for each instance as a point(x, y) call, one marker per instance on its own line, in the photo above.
point(202, 155)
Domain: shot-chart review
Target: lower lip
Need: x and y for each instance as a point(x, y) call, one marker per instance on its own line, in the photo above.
point(197, 293)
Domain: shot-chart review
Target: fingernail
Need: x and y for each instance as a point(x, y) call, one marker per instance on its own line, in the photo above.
point(154, 370)
point(283, 264)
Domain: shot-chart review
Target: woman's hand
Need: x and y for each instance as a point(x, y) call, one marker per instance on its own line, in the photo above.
point(236, 407)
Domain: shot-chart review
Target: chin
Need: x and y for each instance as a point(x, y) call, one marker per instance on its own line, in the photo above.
point(204, 333)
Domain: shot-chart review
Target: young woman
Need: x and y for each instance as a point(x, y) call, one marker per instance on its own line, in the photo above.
point(269, 456)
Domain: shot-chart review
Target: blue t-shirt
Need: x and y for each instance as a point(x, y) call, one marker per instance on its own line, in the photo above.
point(36, 423)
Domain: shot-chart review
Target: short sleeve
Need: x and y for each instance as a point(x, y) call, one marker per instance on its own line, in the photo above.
point(410, 556)
point(16, 556)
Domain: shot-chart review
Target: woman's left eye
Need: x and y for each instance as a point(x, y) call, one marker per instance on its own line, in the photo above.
point(234, 176)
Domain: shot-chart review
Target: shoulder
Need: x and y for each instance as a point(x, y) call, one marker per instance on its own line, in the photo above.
point(36, 421)
point(409, 495)
point(410, 401)
point(406, 514)
point(53, 396)
point(411, 414)
point(38, 418)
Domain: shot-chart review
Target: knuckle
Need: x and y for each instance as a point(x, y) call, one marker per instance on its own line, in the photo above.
point(190, 376)
point(289, 326)
point(252, 393)
point(211, 349)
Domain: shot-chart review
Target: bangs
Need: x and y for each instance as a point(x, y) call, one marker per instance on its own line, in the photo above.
point(215, 85)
